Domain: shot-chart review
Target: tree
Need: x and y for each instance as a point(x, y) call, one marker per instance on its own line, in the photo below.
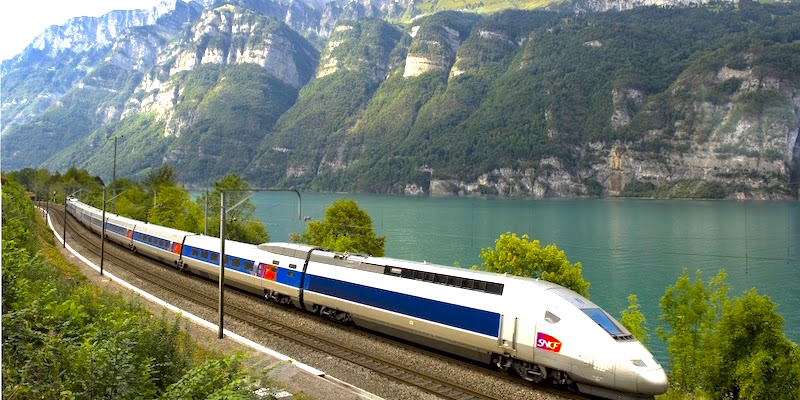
point(691, 310)
point(346, 227)
point(175, 209)
point(522, 257)
point(240, 224)
point(634, 321)
point(163, 175)
point(753, 358)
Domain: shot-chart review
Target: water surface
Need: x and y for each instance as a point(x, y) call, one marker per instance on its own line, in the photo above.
point(625, 246)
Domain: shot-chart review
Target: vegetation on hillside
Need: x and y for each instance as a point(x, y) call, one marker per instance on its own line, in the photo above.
point(542, 86)
point(64, 338)
point(157, 198)
point(507, 90)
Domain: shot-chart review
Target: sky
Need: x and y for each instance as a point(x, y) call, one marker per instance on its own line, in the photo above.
point(22, 20)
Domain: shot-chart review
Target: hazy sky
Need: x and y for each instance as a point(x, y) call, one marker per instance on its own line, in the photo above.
point(22, 20)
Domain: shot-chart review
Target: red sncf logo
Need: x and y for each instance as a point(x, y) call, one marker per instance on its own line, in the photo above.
point(547, 342)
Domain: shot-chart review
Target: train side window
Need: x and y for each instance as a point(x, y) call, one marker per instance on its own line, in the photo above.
point(215, 258)
point(454, 281)
point(480, 285)
point(276, 262)
point(204, 254)
point(429, 276)
point(407, 273)
point(293, 266)
point(419, 275)
point(194, 252)
point(161, 242)
point(441, 278)
point(494, 288)
point(248, 266)
point(237, 262)
point(551, 318)
point(467, 284)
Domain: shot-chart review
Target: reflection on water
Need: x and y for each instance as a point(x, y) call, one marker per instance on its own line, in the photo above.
point(624, 246)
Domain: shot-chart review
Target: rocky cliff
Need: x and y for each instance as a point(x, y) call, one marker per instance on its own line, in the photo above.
point(657, 102)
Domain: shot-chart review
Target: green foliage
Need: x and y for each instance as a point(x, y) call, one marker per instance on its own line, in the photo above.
point(638, 189)
point(521, 257)
point(156, 199)
point(63, 338)
point(346, 227)
point(634, 321)
point(753, 359)
point(66, 339)
point(17, 214)
point(235, 107)
point(691, 189)
point(175, 209)
point(240, 225)
point(727, 348)
point(690, 310)
point(213, 379)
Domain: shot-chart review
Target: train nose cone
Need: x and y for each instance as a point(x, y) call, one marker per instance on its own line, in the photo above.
point(652, 382)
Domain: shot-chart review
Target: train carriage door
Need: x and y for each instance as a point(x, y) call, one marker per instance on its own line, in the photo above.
point(507, 340)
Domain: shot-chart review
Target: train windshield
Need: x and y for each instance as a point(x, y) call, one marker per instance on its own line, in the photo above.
point(601, 318)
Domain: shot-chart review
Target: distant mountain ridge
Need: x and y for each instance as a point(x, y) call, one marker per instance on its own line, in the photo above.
point(649, 102)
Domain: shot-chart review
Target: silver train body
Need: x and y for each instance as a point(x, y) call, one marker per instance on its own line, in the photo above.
point(541, 330)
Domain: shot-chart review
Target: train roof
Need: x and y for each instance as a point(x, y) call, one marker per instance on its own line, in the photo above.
point(360, 261)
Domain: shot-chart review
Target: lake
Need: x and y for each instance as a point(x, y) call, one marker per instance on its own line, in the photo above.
point(624, 245)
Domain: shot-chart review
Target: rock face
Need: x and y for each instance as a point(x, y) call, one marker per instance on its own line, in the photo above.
point(417, 106)
point(62, 55)
point(223, 37)
point(620, 5)
point(228, 35)
point(433, 47)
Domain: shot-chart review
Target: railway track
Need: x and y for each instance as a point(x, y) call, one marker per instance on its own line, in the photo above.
point(158, 274)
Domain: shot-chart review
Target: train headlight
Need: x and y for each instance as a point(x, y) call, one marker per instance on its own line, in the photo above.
point(638, 363)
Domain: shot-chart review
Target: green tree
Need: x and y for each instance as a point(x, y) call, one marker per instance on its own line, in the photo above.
point(346, 227)
point(634, 321)
point(240, 223)
point(691, 309)
point(753, 358)
point(522, 257)
point(163, 175)
point(175, 209)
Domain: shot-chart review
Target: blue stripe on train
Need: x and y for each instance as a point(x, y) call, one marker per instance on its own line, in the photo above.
point(288, 277)
point(471, 319)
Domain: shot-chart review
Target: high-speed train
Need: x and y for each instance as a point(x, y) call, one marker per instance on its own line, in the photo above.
point(540, 330)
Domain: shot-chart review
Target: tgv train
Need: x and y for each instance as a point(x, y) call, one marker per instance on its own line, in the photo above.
point(540, 330)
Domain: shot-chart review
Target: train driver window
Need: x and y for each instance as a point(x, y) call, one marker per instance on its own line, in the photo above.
point(551, 318)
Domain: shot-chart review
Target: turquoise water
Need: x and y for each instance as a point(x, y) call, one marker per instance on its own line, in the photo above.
point(625, 246)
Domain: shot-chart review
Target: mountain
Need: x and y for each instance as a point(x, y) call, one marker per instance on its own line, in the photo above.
point(391, 97)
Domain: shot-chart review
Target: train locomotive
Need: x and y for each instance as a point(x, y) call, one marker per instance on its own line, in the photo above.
point(540, 330)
